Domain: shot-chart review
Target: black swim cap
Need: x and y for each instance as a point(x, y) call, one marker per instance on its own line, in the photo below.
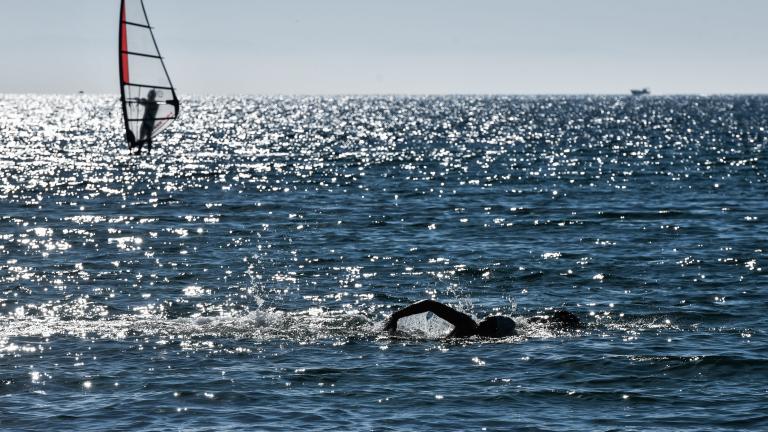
point(565, 320)
point(496, 326)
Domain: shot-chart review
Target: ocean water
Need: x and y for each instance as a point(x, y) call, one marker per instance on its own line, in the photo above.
point(239, 277)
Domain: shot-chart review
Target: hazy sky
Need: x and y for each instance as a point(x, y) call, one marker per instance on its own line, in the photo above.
point(397, 46)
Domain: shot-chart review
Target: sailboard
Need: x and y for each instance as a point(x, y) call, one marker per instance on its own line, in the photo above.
point(146, 92)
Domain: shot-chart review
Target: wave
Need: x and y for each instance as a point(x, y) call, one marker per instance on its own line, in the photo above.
point(311, 325)
point(257, 325)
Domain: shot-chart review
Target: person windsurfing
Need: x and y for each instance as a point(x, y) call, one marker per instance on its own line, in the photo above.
point(148, 121)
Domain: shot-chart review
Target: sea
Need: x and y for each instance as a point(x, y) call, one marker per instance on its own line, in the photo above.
point(239, 277)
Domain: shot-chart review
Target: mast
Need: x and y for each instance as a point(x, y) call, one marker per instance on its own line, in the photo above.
point(122, 46)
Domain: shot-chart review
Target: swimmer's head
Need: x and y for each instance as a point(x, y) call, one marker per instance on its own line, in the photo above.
point(496, 326)
point(565, 320)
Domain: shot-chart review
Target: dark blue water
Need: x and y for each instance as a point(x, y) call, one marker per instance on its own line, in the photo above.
point(240, 276)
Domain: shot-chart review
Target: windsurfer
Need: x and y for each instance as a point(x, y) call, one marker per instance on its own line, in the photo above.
point(492, 326)
point(148, 121)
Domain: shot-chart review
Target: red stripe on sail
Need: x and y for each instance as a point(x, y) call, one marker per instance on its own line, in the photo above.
point(124, 45)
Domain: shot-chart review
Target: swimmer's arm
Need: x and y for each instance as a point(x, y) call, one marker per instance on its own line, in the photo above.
point(458, 319)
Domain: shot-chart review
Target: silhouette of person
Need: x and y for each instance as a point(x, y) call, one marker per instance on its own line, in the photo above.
point(148, 121)
point(492, 326)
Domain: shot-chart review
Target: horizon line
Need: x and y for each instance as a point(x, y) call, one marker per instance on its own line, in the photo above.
point(299, 95)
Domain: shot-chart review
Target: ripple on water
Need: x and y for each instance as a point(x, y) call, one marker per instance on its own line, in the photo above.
point(241, 274)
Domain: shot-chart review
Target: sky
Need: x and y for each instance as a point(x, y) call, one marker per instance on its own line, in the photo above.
point(327, 47)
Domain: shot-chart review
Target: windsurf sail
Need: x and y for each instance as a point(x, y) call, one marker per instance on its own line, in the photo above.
point(146, 92)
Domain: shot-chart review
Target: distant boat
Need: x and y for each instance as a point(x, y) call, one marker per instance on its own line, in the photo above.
point(148, 97)
point(640, 92)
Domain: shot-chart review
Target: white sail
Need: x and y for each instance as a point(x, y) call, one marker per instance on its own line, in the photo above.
point(147, 94)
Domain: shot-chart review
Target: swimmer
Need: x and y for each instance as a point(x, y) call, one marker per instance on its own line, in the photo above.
point(492, 326)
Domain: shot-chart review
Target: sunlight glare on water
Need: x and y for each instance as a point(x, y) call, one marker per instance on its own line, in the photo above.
point(241, 274)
